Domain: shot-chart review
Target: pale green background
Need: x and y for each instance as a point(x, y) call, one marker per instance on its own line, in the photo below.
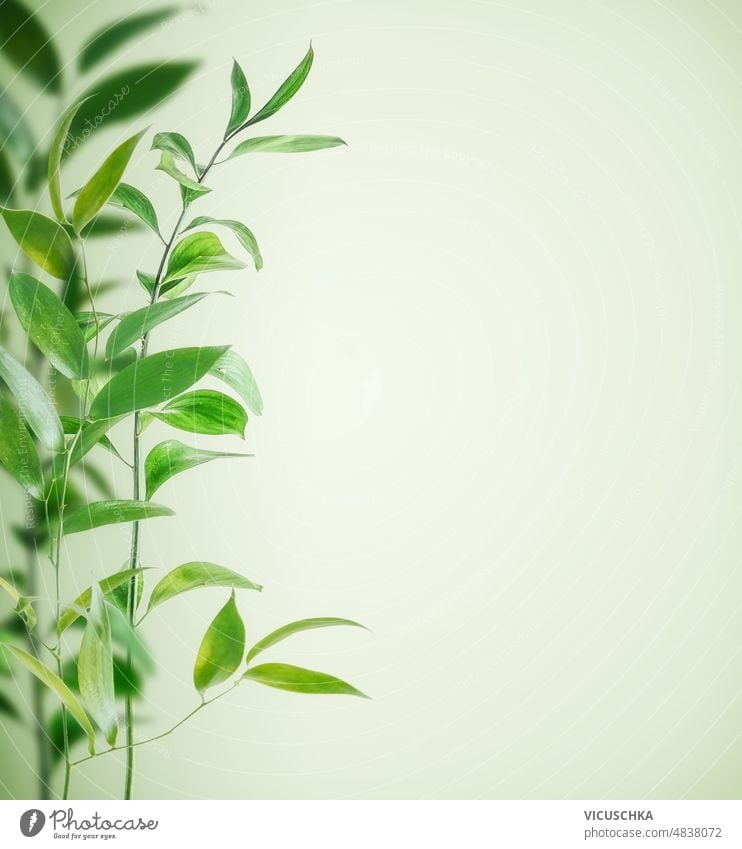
point(498, 340)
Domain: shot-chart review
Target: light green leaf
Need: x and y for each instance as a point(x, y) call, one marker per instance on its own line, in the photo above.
point(243, 234)
point(28, 45)
point(125, 635)
point(286, 90)
point(180, 148)
point(240, 100)
point(129, 197)
point(18, 452)
point(285, 144)
point(137, 323)
point(100, 513)
point(151, 380)
point(82, 602)
point(174, 290)
point(21, 605)
point(102, 184)
point(295, 628)
point(58, 687)
point(115, 35)
point(222, 647)
point(197, 254)
point(191, 576)
point(168, 166)
point(283, 676)
point(55, 159)
point(37, 408)
point(172, 457)
point(95, 668)
point(50, 325)
point(235, 372)
point(205, 411)
point(42, 239)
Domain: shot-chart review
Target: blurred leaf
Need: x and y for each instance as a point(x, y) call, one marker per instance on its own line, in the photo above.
point(103, 226)
point(285, 144)
point(55, 730)
point(49, 325)
point(15, 134)
point(92, 474)
point(283, 676)
point(95, 668)
point(129, 197)
point(126, 679)
point(42, 239)
point(286, 90)
point(38, 410)
point(168, 166)
point(58, 687)
point(243, 234)
point(171, 457)
point(151, 380)
point(126, 637)
point(196, 254)
point(110, 38)
point(29, 46)
point(235, 372)
point(191, 576)
point(18, 452)
point(205, 411)
point(7, 707)
point(240, 100)
point(56, 153)
point(292, 628)
point(221, 650)
point(179, 147)
point(7, 177)
point(100, 513)
point(82, 602)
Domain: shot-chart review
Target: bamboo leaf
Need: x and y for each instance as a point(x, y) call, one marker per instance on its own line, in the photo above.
point(191, 576)
point(86, 321)
point(240, 99)
point(95, 668)
point(172, 457)
point(205, 411)
point(82, 602)
point(284, 676)
point(58, 687)
point(235, 372)
point(100, 513)
point(151, 380)
point(179, 147)
point(129, 197)
point(37, 408)
point(29, 46)
point(286, 90)
point(197, 254)
point(104, 226)
point(112, 37)
point(192, 187)
point(42, 239)
point(222, 647)
point(244, 235)
point(102, 184)
point(285, 144)
point(147, 281)
point(292, 628)
point(56, 153)
point(18, 452)
point(49, 325)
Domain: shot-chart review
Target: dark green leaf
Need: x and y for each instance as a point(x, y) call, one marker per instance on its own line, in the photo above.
point(17, 450)
point(49, 325)
point(205, 411)
point(196, 254)
point(235, 372)
point(137, 323)
point(55, 730)
point(151, 380)
point(240, 99)
point(129, 197)
point(103, 226)
point(115, 35)
point(7, 707)
point(38, 410)
point(127, 681)
point(286, 90)
point(29, 46)
point(7, 177)
point(285, 144)
point(221, 650)
point(170, 458)
point(56, 152)
point(243, 234)
point(42, 239)
point(295, 628)
point(191, 576)
point(179, 147)
point(112, 512)
point(283, 676)
point(147, 281)
point(95, 668)
point(82, 602)
point(15, 134)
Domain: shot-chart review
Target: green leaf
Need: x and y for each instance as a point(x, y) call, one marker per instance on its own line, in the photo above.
point(147, 281)
point(191, 576)
point(285, 144)
point(7, 707)
point(125, 95)
point(56, 153)
point(151, 380)
point(175, 290)
point(100, 513)
point(58, 687)
point(82, 602)
point(197, 254)
point(168, 166)
point(235, 372)
point(95, 668)
point(286, 90)
point(243, 234)
point(29, 46)
point(283, 676)
point(21, 604)
point(137, 323)
point(37, 408)
point(102, 184)
point(205, 411)
point(42, 239)
point(129, 197)
point(180, 148)
point(296, 627)
point(18, 452)
point(110, 38)
point(125, 636)
point(240, 99)
point(86, 321)
point(49, 325)
point(15, 134)
point(172, 457)
point(221, 650)
point(92, 434)
point(7, 177)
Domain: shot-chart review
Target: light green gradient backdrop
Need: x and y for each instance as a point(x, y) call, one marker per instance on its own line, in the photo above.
point(498, 339)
